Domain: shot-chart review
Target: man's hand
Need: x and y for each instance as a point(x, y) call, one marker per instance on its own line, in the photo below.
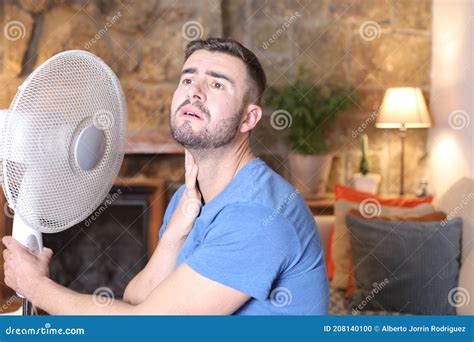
point(190, 204)
point(24, 270)
point(163, 260)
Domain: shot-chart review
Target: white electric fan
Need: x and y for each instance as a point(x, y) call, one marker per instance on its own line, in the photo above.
point(62, 145)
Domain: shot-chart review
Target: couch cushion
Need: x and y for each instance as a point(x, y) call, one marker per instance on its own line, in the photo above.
point(405, 266)
point(341, 242)
point(324, 224)
point(339, 259)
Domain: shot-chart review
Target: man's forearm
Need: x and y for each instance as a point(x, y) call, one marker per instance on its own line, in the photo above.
point(58, 300)
point(161, 265)
point(167, 254)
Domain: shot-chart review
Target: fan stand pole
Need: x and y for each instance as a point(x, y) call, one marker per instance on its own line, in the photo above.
point(27, 307)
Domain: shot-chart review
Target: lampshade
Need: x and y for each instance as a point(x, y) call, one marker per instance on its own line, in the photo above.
point(403, 106)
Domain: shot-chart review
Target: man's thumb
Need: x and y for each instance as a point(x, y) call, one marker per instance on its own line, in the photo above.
point(46, 253)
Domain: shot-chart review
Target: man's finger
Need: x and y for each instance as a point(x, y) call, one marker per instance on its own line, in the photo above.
point(193, 177)
point(13, 245)
point(190, 158)
point(46, 253)
point(6, 254)
point(187, 160)
point(5, 240)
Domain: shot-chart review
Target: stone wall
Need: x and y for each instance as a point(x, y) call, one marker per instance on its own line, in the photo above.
point(142, 41)
point(367, 44)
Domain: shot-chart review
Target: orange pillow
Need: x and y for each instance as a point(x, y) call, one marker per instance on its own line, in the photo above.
point(329, 261)
point(430, 217)
point(350, 194)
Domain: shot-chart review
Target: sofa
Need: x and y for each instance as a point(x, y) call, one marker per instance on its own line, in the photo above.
point(457, 201)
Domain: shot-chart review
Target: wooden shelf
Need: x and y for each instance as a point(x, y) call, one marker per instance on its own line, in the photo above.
point(321, 205)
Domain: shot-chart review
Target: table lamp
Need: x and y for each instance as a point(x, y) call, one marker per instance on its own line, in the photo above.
point(403, 108)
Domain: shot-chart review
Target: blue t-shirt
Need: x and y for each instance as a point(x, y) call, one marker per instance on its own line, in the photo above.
point(259, 237)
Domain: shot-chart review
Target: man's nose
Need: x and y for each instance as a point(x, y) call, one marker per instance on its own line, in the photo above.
point(196, 93)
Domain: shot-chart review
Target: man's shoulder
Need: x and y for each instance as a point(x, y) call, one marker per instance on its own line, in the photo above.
point(246, 210)
point(268, 186)
point(254, 218)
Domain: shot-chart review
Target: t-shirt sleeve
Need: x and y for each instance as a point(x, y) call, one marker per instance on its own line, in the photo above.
point(245, 250)
point(171, 208)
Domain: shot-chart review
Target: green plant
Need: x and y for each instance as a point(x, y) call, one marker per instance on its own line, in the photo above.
point(364, 162)
point(312, 109)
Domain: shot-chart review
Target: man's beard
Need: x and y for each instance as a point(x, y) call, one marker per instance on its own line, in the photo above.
point(223, 134)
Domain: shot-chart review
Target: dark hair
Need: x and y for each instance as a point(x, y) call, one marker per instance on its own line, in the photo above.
point(234, 48)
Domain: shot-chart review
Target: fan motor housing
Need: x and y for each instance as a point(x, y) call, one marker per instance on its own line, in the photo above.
point(89, 148)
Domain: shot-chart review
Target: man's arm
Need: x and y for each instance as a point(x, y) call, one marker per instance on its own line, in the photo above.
point(163, 260)
point(184, 292)
point(159, 267)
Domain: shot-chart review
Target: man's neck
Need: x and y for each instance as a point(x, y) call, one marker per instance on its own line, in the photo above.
point(217, 167)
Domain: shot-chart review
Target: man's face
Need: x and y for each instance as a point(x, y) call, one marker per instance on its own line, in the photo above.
point(207, 104)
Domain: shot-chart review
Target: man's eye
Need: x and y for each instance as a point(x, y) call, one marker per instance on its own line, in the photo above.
point(186, 81)
point(217, 85)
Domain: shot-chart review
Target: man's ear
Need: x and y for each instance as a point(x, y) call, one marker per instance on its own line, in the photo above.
point(251, 117)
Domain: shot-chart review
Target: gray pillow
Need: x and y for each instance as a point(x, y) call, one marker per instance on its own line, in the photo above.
point(405, 266)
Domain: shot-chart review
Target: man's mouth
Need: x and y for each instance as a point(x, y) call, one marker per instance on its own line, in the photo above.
point(190, 112)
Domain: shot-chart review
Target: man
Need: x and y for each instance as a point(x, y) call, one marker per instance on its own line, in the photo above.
point(236, 238)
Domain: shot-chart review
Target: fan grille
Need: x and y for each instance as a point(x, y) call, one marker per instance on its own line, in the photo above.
point(42, 182)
